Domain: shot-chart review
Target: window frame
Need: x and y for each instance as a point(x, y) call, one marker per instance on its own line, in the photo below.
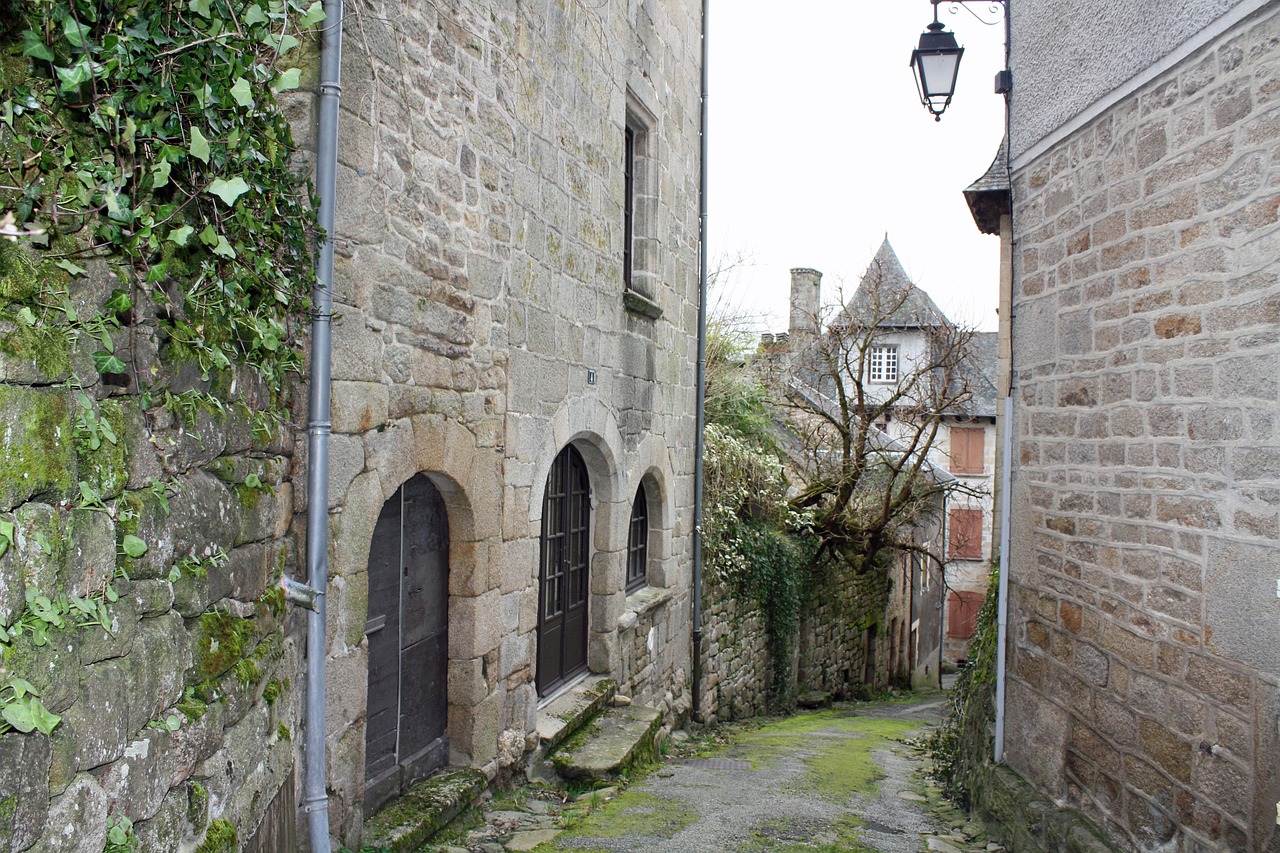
point(637, 575)
point(884, 359)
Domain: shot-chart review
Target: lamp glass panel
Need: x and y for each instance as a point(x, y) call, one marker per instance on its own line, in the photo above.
point(938, 73)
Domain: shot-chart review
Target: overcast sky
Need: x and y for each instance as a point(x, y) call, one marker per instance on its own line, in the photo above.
point(819, 147)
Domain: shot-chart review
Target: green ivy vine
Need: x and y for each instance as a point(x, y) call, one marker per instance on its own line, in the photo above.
point(148, 133)
point(963, 745)
point(142, 143)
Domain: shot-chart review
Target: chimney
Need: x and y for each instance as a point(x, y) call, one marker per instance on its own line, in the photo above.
point(806, 285)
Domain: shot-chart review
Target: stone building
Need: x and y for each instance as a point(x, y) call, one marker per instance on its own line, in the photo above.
point(1143, 675)
point(906, 318)
point(513, 376)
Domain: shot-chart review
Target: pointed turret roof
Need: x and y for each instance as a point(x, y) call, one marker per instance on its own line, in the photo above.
point(988, 197)
point(886, 296)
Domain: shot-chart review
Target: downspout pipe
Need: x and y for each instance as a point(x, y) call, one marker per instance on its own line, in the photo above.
point(701, 381)
point(1006, 475)
point(315, 799)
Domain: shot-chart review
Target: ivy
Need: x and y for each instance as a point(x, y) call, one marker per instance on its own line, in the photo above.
point(148, 133)
point(963, 745)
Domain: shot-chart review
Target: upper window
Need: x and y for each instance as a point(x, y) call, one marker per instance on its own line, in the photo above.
point(884, 363)
point(629, 204)
point(638, 543)
point(967, 448)
point(639, 210)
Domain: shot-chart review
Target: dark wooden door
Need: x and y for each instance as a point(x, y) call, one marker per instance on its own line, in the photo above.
point(562, 613)
point(408, 642)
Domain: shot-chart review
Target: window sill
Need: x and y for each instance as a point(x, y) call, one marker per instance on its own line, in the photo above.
point(637, 303)
point(642, 602)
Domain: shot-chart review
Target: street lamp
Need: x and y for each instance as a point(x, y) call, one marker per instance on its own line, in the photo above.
point(936, 61)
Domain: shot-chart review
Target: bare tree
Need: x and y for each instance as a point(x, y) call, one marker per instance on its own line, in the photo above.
point(869, 397)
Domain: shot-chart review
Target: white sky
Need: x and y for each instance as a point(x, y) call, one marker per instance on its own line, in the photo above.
point(819, 146)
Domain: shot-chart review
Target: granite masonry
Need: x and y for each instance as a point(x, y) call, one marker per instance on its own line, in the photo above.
point(1144, 679)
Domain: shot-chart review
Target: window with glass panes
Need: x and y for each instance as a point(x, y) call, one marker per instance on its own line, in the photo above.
point(883, 363)
point(638, 543)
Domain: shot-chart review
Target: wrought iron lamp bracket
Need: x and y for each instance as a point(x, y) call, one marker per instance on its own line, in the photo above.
point(993, 14)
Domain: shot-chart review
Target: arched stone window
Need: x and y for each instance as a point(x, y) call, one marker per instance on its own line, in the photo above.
point(638, 543)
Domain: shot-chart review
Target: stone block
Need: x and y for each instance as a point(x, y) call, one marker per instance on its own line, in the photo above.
point(475, 625)
point(154, 674)
point(24, 789)
point(39, 455)
point(77, 819)
point(359, 406)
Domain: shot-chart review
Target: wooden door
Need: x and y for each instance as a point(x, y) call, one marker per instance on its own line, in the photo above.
point(564, 576)
point(408, 642)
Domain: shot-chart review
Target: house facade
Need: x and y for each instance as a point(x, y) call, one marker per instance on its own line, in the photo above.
point(1143, 681)
point(513, 377)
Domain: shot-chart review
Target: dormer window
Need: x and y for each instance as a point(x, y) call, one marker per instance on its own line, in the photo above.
point(883, 363)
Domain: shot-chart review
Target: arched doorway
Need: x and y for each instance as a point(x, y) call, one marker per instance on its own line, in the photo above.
point(563, 574)
point(408, 641)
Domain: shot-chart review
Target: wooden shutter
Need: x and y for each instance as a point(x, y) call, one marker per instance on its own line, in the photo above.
point(962, 614)
point(964, 539)
point(967, 446)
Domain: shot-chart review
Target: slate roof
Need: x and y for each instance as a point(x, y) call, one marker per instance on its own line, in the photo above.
point(887, 281)
point(914, 309)
point(988, 197)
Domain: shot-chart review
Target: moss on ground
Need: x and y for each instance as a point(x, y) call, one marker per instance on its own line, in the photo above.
point(631, 813)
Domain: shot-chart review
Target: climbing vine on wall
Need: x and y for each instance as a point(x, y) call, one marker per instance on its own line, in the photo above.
point(154, 219)
point(148, 133)
point(963, 744)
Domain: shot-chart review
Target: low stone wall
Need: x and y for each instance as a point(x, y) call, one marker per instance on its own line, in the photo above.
point(1025, 822)
point(834, 627)
point(828, 653)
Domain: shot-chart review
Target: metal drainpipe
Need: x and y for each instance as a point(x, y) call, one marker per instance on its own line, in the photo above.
point(942, 601)
point(701, 386)
point(1006, 475)
point(315, 799)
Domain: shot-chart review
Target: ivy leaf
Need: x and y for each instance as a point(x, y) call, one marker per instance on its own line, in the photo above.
point(287, 80)
point(254, 15)
point(133, 546)
point(160, 174)
point(44, 720)
point(26, 316)
point(21, 687)
point(71, 268)
point(230, 190)
point(6, 536)
point(280, 43)
point(242, 92)
point(74, 31)
point(223, 248)
point(181, 235)
point(313, 15)
point(173, 722)
point(18, 715)
point(111, 594)
point(74, 77)
point(199, 146)
point(34, 46)
point(108, 363)
point(200, 7)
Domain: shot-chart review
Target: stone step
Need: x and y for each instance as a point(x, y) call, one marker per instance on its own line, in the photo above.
point(563, 716)
point(406, 823)
point(616, 740)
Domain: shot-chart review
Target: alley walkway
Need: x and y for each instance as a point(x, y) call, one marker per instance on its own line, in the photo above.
point(828, 781)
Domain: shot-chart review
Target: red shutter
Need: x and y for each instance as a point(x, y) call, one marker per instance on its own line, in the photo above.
point(967, 450)
point(964, 539)
point(962, 617)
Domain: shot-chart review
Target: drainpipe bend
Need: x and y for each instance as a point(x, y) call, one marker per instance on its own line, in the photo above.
point(701, 379)
point(315, 798)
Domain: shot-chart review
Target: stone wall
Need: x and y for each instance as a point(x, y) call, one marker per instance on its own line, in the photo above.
point(177, 688)
point(834, 634)
point(1145, 643)
point(737, 667)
